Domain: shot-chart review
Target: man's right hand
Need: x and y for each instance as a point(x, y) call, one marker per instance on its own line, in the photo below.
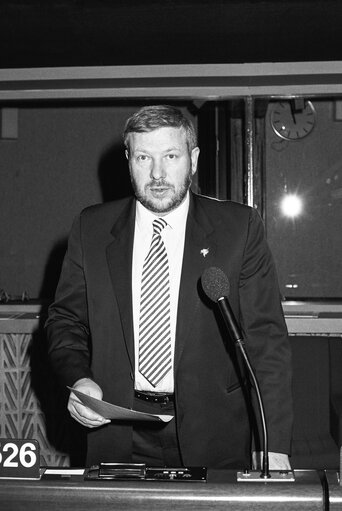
point(82, 413)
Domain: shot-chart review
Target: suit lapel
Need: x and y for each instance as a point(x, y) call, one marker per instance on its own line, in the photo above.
point(199, 254)
point(119, 258)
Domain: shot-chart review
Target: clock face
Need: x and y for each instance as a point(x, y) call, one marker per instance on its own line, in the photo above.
point(291, 123)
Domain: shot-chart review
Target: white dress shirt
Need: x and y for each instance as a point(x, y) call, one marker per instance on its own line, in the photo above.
point(173, 236)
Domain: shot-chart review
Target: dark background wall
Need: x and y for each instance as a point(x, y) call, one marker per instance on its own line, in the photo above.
point(69, 156)
point(66, 157)
point(121, 32)
point(307, 248)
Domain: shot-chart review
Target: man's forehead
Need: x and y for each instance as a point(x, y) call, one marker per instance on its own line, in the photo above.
point(159, 135)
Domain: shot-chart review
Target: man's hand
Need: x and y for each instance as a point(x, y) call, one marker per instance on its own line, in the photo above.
point(81, 413)
point(277, 461)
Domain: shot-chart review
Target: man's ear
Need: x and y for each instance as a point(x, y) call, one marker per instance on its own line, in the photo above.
point(194, 159)
point(126, 154)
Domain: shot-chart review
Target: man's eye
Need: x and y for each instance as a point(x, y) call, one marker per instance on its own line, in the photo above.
point(171, 156)
point(142, 157)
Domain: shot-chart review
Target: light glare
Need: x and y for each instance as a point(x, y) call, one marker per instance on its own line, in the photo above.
point(291, 205)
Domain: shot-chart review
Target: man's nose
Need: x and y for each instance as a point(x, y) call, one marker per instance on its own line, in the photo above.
point(157, 170)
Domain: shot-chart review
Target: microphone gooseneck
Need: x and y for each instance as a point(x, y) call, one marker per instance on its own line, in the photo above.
point(216, 286)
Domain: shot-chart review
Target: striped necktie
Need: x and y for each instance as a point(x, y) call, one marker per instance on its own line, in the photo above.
point(154, 320)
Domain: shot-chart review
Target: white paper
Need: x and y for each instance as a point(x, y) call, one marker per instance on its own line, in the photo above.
point(109, 411)
point(64, 471)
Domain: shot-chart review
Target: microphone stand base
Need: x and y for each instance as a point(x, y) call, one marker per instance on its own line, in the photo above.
point(276, 476)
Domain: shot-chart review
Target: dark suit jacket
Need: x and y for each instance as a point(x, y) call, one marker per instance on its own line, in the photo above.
point(90, 330)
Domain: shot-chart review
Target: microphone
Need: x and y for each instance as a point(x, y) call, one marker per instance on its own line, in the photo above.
point(216, 286)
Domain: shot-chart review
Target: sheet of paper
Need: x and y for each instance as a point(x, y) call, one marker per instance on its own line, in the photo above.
point(64, 471)
point(109, 411)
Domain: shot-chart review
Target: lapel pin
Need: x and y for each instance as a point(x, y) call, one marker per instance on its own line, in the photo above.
point(205, 251)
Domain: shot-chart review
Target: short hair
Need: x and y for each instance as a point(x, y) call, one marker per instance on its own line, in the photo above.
point(153, 117)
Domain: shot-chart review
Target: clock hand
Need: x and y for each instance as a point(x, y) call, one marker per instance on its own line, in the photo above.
point(292, 108)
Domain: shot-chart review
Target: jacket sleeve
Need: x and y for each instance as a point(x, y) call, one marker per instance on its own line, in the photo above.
point(266, 335)
point(67, 324)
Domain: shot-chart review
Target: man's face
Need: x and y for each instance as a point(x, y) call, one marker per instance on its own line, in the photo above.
point(161, 168)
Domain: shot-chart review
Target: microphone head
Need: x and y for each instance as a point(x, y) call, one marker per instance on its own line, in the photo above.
point(215, 283)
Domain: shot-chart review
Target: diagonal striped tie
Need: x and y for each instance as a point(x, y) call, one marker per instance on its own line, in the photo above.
point(154, 321)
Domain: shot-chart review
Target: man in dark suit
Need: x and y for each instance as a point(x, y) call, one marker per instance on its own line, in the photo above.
point(95, 326)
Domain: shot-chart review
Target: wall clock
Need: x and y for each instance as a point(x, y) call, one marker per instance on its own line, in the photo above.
point(293, 119)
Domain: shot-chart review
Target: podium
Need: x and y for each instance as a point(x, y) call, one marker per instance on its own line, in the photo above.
point(221, 492)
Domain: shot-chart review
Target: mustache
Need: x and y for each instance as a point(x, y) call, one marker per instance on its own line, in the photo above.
point(159, 184)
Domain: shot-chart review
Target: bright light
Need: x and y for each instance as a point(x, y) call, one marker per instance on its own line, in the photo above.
point(291, 205)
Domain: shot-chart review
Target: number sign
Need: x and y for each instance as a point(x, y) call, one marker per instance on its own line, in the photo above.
point(19, 458)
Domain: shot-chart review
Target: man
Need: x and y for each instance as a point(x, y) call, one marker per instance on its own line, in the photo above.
point(97, 325)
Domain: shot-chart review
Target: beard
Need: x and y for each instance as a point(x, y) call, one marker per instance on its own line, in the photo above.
point(164, 204)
